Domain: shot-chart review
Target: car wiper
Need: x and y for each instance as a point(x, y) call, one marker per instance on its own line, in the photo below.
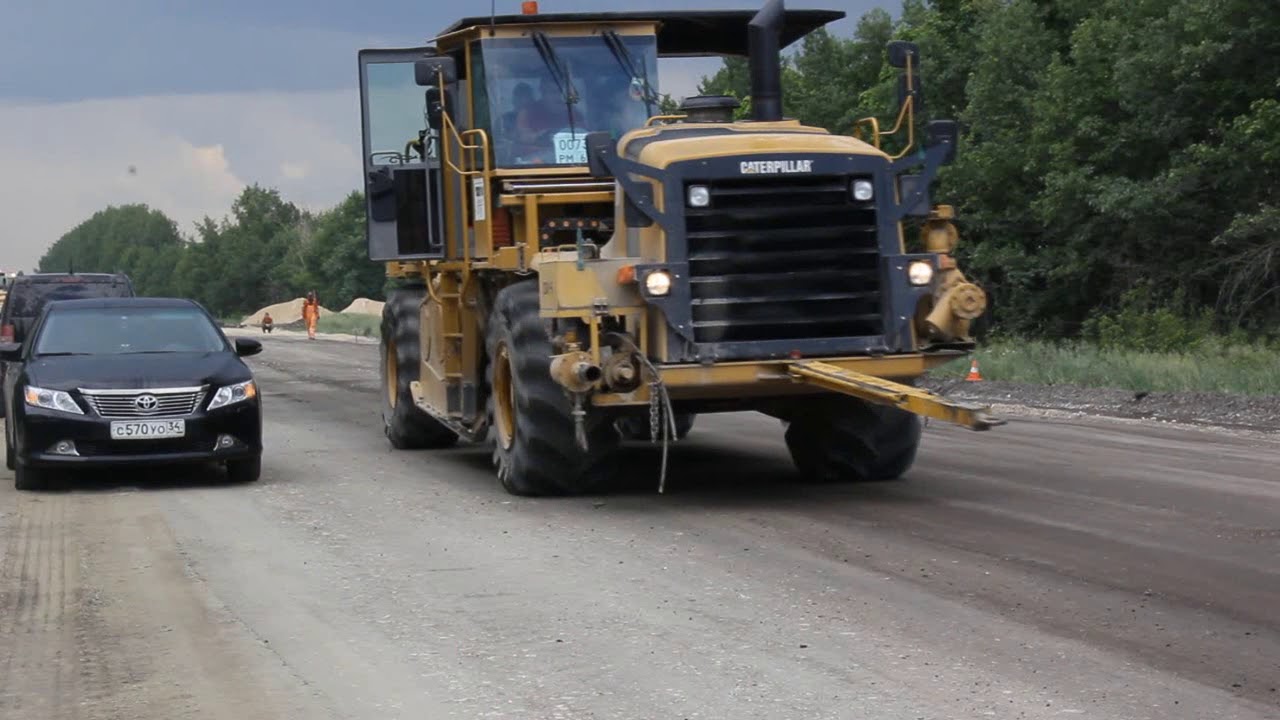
point(559, 73)
point(60, 354)
point(633, 68)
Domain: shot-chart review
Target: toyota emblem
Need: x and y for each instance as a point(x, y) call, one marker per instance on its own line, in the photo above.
point(146, 403)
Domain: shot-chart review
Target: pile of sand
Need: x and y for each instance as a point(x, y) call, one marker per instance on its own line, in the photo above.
point(283, 313)
point(364, 306)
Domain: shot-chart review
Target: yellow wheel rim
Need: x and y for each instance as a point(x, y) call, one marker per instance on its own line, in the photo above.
point(504, 398)
point(393, 374)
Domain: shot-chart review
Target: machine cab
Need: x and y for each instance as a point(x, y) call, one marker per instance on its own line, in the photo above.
point(491, 99)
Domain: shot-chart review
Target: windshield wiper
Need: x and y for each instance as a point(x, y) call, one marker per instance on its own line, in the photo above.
point(559, 73)
point(631, 67)
point(60, 354)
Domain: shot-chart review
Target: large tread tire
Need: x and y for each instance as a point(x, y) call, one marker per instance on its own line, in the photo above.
point(406, 425)
point(26, 477)
point(637, 428)
point(846, 439)
point(543, 457)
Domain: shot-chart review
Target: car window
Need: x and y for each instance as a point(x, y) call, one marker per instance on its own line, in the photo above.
point(27, 299)
point(119, 331)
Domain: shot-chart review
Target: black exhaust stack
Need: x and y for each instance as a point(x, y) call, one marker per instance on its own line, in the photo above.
point(763, 33)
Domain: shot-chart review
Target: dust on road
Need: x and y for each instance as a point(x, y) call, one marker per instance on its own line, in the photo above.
point(1043, 570)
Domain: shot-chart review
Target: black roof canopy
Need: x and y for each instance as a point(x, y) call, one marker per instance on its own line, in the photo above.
point(681, 32)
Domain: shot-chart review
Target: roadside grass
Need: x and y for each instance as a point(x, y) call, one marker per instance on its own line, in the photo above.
point(1213, 367)
point(369, 326)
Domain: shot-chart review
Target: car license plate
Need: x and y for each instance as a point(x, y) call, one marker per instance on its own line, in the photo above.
point(148, 429)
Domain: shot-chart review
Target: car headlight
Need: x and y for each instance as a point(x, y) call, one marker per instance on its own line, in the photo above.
point(863, 190)
point(920, 272)
point(658, 282)
point(232, 394)
point(52, 400)
point(699, 196)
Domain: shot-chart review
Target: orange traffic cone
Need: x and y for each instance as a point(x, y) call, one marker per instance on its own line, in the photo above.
point(974, 375)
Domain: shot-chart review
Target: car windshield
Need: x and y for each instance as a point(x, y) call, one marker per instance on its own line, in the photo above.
point(122, 331)
point(530, 121)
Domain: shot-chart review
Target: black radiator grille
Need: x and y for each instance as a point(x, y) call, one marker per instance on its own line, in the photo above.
point(783, 259)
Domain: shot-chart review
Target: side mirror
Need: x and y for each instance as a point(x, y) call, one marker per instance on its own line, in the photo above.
point(437, 102)
point(434, 71)
point(11, 352)
point(944, 132)
point(900, 50)
point(599, 145)
point(247, 346)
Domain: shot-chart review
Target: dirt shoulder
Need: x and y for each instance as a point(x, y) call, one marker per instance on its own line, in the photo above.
point(1241, 412)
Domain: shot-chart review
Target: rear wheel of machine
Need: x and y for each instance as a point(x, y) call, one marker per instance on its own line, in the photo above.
point(535, 451)
point(844, 439)
point(406, 425)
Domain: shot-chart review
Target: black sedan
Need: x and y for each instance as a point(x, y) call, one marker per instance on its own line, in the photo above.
point(130, 381)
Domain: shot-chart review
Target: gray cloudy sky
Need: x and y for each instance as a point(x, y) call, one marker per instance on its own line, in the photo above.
point(205, 97)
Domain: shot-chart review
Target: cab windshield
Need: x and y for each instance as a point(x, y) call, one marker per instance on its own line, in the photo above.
point(531, 122)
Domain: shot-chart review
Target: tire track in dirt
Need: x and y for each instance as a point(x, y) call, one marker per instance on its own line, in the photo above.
point(100, 617)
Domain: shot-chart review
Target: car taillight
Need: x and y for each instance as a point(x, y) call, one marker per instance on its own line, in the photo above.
point(6, 333)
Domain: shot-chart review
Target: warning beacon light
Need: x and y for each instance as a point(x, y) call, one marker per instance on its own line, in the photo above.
point(529, 7)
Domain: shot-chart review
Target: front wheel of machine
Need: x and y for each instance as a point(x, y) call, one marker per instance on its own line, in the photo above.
point(406, 426)
point(26, 477)
point(244, 471)
point(535, 450)
point(844, 439)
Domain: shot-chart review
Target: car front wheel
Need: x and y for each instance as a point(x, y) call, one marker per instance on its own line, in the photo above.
point(28, 478)
point(244, 471)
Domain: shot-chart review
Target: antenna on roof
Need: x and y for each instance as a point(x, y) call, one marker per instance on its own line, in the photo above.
point(493, 16)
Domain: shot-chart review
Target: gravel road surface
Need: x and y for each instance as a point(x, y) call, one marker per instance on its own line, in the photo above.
point(1051, 568)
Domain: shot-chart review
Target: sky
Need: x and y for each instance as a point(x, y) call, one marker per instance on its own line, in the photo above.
point(180, 104)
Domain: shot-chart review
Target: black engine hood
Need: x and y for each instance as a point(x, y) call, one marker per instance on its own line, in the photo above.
point(136, 371)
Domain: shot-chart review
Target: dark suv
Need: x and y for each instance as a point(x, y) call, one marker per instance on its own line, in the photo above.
point(28, 295)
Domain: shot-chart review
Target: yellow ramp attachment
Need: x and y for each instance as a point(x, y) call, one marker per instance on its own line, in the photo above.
point(887, 392)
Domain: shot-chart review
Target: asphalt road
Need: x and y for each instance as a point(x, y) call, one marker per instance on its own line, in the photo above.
point(1047, 569)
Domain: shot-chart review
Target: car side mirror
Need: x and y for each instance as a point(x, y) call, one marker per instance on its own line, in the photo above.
point(11, 352)
point(247, 346)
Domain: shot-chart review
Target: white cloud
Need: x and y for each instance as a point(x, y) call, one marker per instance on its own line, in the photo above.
point(188, 156)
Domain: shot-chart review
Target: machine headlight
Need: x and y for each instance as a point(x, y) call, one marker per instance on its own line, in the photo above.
point(920, 272)
point(863, 190)
point(232, 394)
point(699, 196)
point(52, 400)
point(658, 282)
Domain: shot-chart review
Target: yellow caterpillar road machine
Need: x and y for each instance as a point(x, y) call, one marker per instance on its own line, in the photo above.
point(575, 269)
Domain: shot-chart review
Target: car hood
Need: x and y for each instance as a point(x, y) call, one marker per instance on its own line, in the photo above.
point(136, 371)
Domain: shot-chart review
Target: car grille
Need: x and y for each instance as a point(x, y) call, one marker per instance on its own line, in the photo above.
point(169, 403)
point(107, 448)
point(783, 259)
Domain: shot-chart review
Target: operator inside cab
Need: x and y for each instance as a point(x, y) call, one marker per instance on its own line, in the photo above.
point(544, 110)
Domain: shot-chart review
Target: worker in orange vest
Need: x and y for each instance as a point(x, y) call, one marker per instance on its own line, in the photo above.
point(311, 313)
point(267, 322)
